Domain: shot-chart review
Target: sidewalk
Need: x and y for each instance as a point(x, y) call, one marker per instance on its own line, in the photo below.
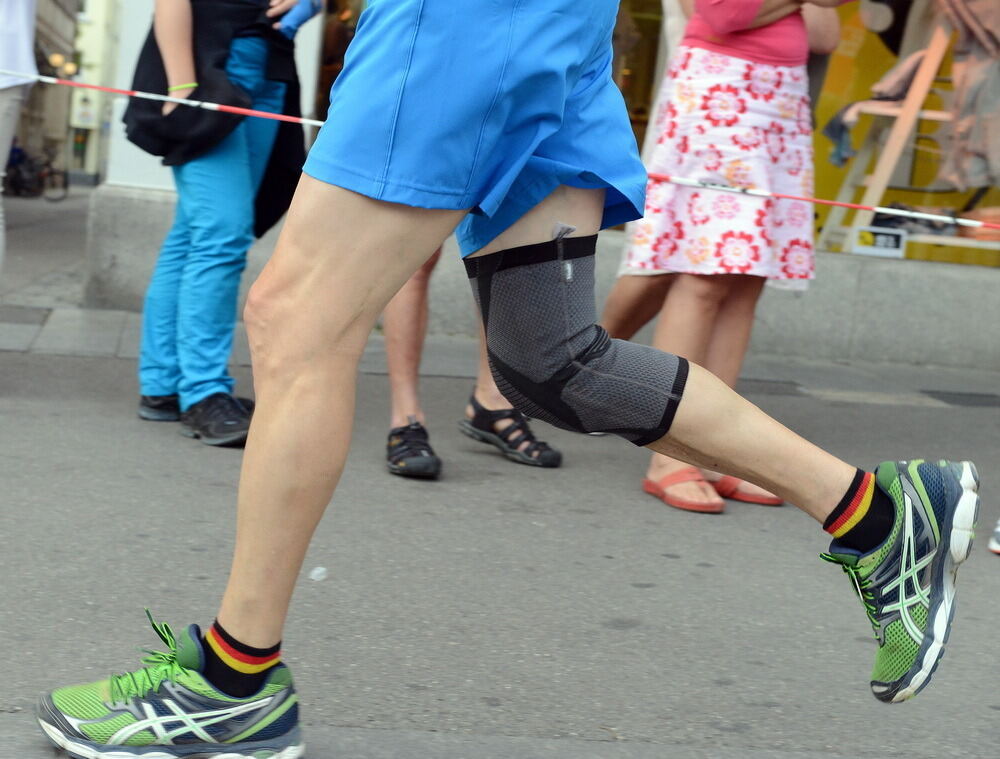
point(859, 307)
point(115, 334)
point(42, 286)
point(45, 266)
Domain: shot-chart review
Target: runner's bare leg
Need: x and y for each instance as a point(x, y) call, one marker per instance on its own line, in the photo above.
point(714, 428)
point(309, 315)
point(340, 258)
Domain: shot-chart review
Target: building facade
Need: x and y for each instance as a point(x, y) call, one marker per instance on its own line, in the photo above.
point(90, 111)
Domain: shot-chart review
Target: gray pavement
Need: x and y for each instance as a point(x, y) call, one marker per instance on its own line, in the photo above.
point(45, 265)
point(503, 611)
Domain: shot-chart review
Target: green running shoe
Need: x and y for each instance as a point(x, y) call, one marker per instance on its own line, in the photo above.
point(908, 583)
point(168, 710)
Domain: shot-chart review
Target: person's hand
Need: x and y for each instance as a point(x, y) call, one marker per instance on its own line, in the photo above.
point(169, 107)
point(298, 12)
point(825, 3)
point(280, 7)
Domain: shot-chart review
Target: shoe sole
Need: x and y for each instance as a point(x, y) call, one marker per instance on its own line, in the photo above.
point(423, 468)
point(229, 441)
point(154, 415)
point(994, 545)
point(941, 614)
point(497, 442)
point(77, 749)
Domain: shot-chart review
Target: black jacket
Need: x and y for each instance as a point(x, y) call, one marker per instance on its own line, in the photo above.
point(187, 132)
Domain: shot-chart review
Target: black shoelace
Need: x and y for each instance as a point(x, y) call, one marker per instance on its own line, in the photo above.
point(221, 407)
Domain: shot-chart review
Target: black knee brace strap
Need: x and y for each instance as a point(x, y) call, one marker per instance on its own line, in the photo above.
point(549, 357)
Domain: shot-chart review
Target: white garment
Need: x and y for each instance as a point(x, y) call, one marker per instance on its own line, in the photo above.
point(17, 40)
point(734, 122)
point(671, 34)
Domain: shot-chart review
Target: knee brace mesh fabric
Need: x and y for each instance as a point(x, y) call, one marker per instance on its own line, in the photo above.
point(551, 359)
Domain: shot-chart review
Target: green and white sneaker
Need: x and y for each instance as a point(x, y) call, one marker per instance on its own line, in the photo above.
point(908, 583)
point(168, 710)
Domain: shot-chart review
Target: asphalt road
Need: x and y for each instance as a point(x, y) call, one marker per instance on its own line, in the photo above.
point(504, 611)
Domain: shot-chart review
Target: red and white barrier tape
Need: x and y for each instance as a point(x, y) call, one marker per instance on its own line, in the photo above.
point(656, 177)
point(164, 98)
point(823, 202)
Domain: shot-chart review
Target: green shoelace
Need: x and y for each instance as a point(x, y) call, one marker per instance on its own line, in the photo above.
point(160, 667)
point(862, 586)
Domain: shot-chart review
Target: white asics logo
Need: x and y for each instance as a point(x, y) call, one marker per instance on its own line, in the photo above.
point(909, 569)
point(190, 722)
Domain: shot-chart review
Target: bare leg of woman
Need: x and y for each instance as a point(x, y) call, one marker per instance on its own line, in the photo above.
point(404, 324)
point(685, 328)
point(634, 300)
point(727, 347)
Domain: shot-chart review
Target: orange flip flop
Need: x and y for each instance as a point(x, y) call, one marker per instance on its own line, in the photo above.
point(729, 487)
point(688, 474)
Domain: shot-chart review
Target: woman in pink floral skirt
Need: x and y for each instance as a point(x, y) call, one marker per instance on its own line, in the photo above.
point(736, 111)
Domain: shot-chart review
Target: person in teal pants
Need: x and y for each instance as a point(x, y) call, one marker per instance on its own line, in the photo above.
point(189, 313)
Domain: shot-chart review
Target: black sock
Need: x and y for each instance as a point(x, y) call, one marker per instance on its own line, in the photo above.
point(235, 668)
point(864, 516)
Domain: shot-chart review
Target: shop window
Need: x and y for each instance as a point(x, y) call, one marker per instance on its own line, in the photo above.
point(339, 24)
point(637, 42)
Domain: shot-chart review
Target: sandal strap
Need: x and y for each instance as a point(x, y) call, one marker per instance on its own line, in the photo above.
point(519, 433)
point(518, 427)
point(406, 442)
point(687, 474)
point(514, 435)
point(484, 418)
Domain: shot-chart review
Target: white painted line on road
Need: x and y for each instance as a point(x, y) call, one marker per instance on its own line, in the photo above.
point(867, 397)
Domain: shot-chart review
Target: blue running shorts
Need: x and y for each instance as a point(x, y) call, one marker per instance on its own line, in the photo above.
point(481, 104)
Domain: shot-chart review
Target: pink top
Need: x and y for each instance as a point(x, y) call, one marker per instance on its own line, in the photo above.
point(721, 26)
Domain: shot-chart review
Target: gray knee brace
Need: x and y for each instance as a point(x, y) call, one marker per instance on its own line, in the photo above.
point(549, 357)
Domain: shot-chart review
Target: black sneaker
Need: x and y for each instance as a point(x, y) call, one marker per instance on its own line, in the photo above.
point(167, 408)
point(219, 419)
point(159, 408)
point(408, 452)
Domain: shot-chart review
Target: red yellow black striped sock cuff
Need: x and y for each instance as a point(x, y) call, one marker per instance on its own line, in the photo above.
point(239, 656)
point(854, 505)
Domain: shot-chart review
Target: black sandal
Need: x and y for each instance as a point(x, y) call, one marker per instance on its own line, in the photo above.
point(408, 452)
point(482, 427)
